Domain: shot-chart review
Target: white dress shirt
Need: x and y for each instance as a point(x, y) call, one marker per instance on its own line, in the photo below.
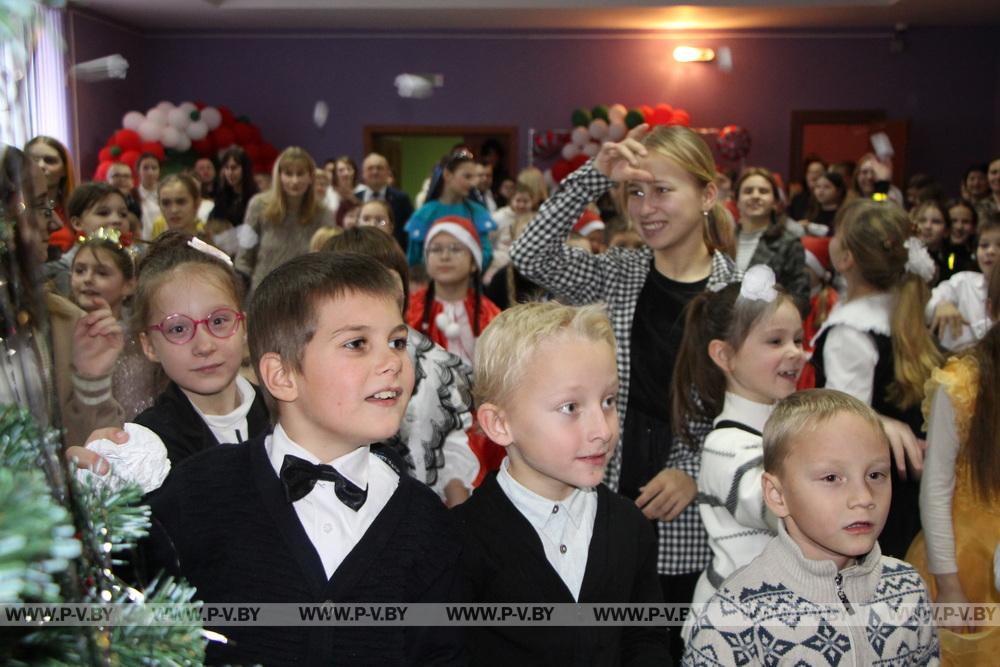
point(564, 527)
point(149, 201)
point(850, 354)
point(232, 427)
point(333, 528)
point(966, 290)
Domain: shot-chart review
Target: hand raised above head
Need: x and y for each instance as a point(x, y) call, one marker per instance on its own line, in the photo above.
point(619, 161)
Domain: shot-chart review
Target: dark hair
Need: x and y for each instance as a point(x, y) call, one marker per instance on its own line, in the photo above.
point(699, 385)
point(19, 270)
point(983, 167)
point(450, 162)
point(377, 245)
point(88, 195)
point(229, 204)
point(146, 156)
point(839, 184)
point(282, 316)
point(171, 255)
point(807, 161)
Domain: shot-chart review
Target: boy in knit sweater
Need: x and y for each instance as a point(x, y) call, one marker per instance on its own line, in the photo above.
point(821, 592)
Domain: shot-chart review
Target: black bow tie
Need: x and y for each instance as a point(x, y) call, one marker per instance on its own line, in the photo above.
point(299, 477)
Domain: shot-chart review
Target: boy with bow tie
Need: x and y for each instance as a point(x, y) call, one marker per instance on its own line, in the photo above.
point(310, 513)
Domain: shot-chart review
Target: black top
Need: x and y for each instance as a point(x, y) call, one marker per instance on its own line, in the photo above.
point(184, 432)
point(657, 330)
point(222, 522)
point(952, 259)
point(903, 522)
point(504, 562)
point(825, 217)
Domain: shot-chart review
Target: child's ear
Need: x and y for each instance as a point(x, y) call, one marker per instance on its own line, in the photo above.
point(720, 352)
point(147, 347)
point(774, 497)
point(278, 377)
point(75, 223)
point(709, 194)
point(493, 421)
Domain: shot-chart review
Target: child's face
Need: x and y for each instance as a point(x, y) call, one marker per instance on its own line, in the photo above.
point(205, 366)
point(813, 172)
point(448, 261)
point(833, 489)
point(204, 170)
point(296, 179)
point(321, 181)
point(520, 203)
point(767, 365)
point(178, 207)
point(345, 175)
point(993, 177)
point(962, 227)
point(461, 181)
point(373, 214)
point(977, 185)
point(263, 182)
point(988, 250)
point(356, 376)
point(825, 192)
point(931, 226)
point(670, 211)
point(96, 276)
point(149, 173)
point(108, 212)
point(598, 241)
point(120, 176)
point(232, 171)
point(562, 421)
point(755, 198)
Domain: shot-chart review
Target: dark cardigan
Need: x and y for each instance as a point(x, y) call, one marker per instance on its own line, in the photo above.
point(783, 252)
point(184, 432)
point(504, 562)
point(222, 522)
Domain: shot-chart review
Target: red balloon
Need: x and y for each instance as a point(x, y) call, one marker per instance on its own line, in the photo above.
point(261, 166)
point(647, 113)
point(222, 137)
point(560, 170)
point(199, 105)
point(682, 117)
point(129, 140)
point(154, 147)
point(253, 152)
point(268, 152)
point(105, 155)
point(227, 116)
point(244, 134)
point(662, 114)
point(202, 147)
point(130, 158)
point(101, 174)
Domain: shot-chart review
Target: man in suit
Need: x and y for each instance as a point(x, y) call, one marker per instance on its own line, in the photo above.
point(375, 174)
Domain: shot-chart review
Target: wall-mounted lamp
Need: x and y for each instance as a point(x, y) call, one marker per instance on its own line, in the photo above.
point(693, 54)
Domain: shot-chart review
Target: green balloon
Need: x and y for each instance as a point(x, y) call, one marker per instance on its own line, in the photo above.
point(116, 151)
point(600, 111)
point(195, 115)
point(581, 118)
point(634, 118)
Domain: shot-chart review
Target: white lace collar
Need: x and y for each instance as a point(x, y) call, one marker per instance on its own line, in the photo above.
point(867, 313)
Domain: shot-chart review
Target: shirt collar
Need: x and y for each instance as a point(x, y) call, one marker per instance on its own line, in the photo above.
point(872, 312)
point(353, 466)
point(537, 509)
point(745, 411)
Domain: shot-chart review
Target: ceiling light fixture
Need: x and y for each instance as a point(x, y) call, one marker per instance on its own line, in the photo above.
point(693, 54)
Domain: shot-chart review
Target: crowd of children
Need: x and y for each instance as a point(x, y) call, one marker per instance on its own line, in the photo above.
point(303, 399)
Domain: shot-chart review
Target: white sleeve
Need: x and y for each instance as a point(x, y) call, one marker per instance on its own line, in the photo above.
point(142, 460)
point(938, 485)
point(849, 359)
point(945, 291)
point(459, 462)
point(731, 468)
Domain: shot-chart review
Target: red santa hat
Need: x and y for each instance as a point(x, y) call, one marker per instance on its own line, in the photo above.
point(464, 232)
point(588, 222)
point(818, 255)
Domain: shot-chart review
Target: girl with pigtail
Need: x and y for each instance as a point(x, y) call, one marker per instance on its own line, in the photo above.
point(741, 354)
point(873, 345)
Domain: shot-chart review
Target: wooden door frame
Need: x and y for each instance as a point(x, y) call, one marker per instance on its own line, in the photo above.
point(802, 118)
point(509, 131)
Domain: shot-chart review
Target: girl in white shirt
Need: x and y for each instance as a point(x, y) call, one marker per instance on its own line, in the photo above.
point(742, 352)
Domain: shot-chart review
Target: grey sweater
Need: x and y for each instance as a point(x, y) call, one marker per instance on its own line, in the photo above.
point(784, 609)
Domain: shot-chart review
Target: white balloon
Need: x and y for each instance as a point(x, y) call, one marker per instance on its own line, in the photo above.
point(617, 131)
point(211, 117)
point(617, 112)
point(150, 130)
point(197, 130)
point(580, 136)
point(132, 120)
point(165, 107)
point(188, 107)
point(171, 136)
point(179, 118)
point(570, 151)
point(158, 116)
point(590, 150)
point(183, 143)
point(598, 129)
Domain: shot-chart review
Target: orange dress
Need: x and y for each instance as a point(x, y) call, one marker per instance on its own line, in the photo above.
point(976, 525)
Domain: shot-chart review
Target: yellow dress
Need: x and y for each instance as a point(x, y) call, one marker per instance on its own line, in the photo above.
point(976, 525)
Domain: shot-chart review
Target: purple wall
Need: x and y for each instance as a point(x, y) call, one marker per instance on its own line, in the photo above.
point(947, 82)
point(101, 105)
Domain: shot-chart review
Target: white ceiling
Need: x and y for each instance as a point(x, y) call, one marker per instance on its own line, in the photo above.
point(254, 15)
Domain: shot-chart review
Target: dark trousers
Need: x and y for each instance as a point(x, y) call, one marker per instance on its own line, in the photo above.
point(678, 589)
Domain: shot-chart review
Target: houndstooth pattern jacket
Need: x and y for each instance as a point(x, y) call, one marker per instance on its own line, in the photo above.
point(616, 278)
